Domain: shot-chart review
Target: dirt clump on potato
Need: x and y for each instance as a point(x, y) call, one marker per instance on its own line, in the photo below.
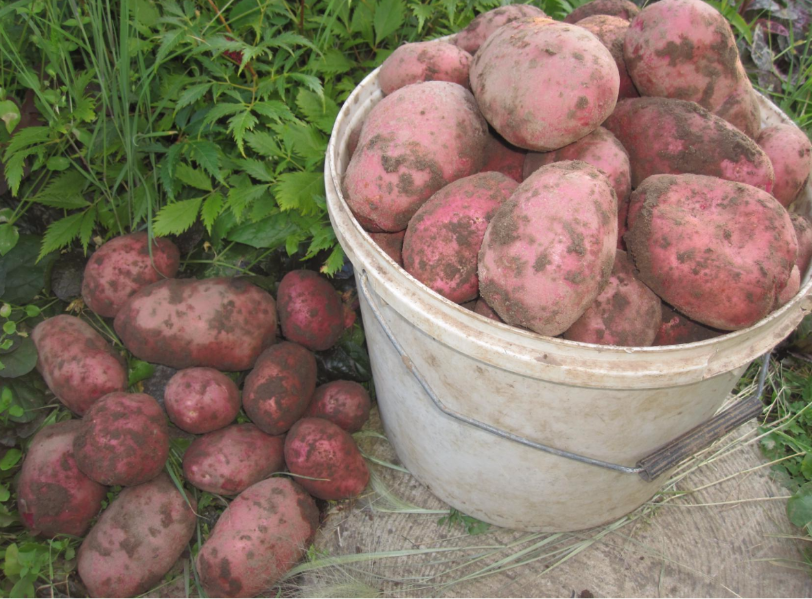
point(345, 403)
point(424, 61)
point(620, 9)
point(310, 311)
point(201, 400)
point(483, 26)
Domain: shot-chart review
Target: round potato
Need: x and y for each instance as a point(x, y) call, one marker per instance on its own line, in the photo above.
point(611, 31)
point(345, 403)
point(676, 329)
point(310, 310)
point(790, 153)
point(621, 9)
point(424, 61)
point(201, 400)
point(483, 26)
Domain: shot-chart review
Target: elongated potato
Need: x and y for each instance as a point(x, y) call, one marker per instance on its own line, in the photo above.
point(790, 152)
point(221, 323)
point(741, 108)
point(78, 365)
point(611, 31)
point(424, 61)
point(137, 539)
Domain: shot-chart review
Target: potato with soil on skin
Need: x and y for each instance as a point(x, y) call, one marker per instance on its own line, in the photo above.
point(443, 239)
point(626, 313)
point(318, 449)
point(310, 311)
point(424, 61)
point(259, 537)
point(53, 496)
point(719, 252)
point(122, 266)
point(123, 440)
point(222, 323)
point(790, 152)
point(137, 539)
point(803, 234)
point(78, 365)
point(228, 461)
point(483, 26)
point(278, 389)
point(201, 400)
point(791, 290)
point(741, 108)
point(345, 403)
point(602, 150)
point(611, 31)
point(621, 9)
point(549, 250)
point(414, 142)
point(391, 243)
point(502, 157)
point(542, 84)
point(483, 309)
point(677, 329)
point(683, 49)
point(664, 136)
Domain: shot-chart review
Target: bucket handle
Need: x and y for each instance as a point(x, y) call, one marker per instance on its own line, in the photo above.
point(648, 468)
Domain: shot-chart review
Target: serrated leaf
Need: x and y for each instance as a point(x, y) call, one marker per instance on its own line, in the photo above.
point(211, 210)
point(334, 262)
point(174, 219)
point(25, 138)
point(257, 169)
point(288, 38)
point(221, 110)
point(423, 12)
point(64, 191)
point(84, 109)
point(274, 109)
point(333, 62)
point(193, 177)
point(192, 94)
point(168, 165)
point(309, 81)
point(207, 155)
point(86, 229)
point(61, 233)
point(296, 191)
point(269, 233)
point(304, 140)
point(238, 125)
point(322, 112)
point(242, 195)
point(263, 143)
point(388, 18)
point(14, 168)
point(169, 41)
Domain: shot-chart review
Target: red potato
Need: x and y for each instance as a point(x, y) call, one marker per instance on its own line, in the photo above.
point(123, 266)
point(414, 142)
point(221, 323)
point(683, 49)
point(502, 157)
point(741, 108)
point(791, 155)
point(391, 243)
point(230, 460)
point(443, 239)
point(78, 365)
point(677, 329)
point(319, 449)
point(483, 309)
point(53, 496)
point(278, 389)
point(664, 136)
point(611, 31)
point(137, 539)
point(259, 537)
point(201, 400)
point(344, 403)
point(483, 26)
point(719, 252)
point(803, 234)
point(310, 311)
point(626, 313)
point(424, 61)
point(123, 440)
point(542, 84)
point(791, 290)
point(549, 250)
point(622, 9)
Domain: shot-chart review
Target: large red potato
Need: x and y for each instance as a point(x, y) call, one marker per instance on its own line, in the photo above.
point(221, 323)
point(611, 31)
point(664, 136)
point(201, 400)
point(502, 157)
point(791, 155)
point(719, 252)
point(259, 537)
point(318, 449)
point(278, 389)
point(53, 496)
point(122, 266)
point(483, 26)
point(78, 365)
point(310, 311)
point(549, 250)
point(345, 403)
point(443, 239)
point(621, 9)
point(123, 440)
point(137, 539)
point(232, 459)
point(542, 84)
point(424, 61)
point(414, 142)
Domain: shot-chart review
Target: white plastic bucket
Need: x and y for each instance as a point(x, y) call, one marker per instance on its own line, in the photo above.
point(612, 404)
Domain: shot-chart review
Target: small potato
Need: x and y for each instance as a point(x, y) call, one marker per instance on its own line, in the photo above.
point(122, 266)
point(317, 448)
point(481, 28)
point(483, 309)
point(123, 440)
point(232, 459)
point(502, 157)
point(391, 243)
point(201, 400)
point(621, 9)
point(677, 329)
point(221, 323)
point(803, 234)
point(310, 310)
point(78, 365)
point(791, 289)
point(53, 496)
point(611, 31)
point(259, 537)
point(278, 389)
point(424, 61)
point(344, 403)
point(790, 152)
point(443, 239)
point(137, 539)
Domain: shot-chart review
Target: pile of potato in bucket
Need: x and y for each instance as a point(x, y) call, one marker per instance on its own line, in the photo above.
point(604, 179)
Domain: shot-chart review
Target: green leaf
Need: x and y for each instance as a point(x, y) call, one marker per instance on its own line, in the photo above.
point(139, 371)
point(322, 112)
point(86, 228)
point(221, 110)
point(799, 507)
point(333, 62)
point(8, 238)
point(25, 138)
point(207, 155)
point(21, 276)
point(296, 191)
point(146, 13)
point(64, 191)
point(238, 125)
point(11, 459)
point(23, 588)
point(211, 210)
point(423, 12)
point(243, 194)
point(263, 143)
point(309, 81)
point(61, 233)
point(32, 311)
point(174, 219)
point(9, 114)
point(274, 109)
point(168, 166)
point(334, 262)
point(9, 327)
point(27, 398)
point(193, 177)
point(269, 233)
point(388, 18)
point(169, 41)
point(14, 169)
point(257, 169)
point(192, 94)
point(20, 361)
point(57, 163)
point(806, 466)
point(11, 564)
point(4, 494)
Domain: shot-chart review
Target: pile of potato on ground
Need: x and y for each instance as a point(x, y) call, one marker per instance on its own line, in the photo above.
point(202, 328)
point(604, 179)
